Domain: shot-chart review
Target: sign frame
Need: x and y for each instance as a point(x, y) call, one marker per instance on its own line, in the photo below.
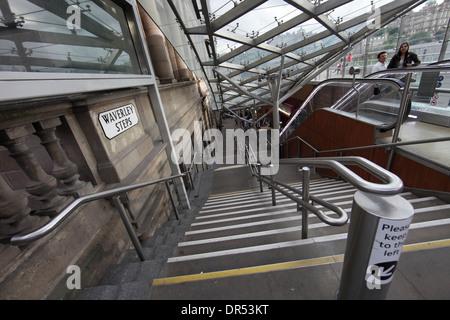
point(118, 120)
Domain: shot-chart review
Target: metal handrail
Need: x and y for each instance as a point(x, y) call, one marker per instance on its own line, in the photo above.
point(71, 207)
point(340, 221)
point(388, 81)
point(375, 146)
point(375, 80)
point(393, 184)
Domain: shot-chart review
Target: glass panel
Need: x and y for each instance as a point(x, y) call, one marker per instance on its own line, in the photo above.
point(376, 103)
point(431, 98)
point(60, 36)
point(429, 117)
point(258, 21)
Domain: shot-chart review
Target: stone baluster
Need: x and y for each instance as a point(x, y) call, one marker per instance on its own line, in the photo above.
point(64, 169)
point(41, 185)
point(14, 213)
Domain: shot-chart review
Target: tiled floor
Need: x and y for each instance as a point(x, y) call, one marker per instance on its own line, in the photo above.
point(437, 152)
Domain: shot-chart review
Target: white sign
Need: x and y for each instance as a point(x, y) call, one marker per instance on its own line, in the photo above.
point(118, 120)
point(386, 250)
point(441, 99)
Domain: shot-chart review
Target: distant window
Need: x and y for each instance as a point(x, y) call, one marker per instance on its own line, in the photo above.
point(66, 36)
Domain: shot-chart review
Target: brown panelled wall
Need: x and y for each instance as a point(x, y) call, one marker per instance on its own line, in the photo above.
point(327, 130)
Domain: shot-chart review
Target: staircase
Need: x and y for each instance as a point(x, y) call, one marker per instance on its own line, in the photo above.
point(239, 246)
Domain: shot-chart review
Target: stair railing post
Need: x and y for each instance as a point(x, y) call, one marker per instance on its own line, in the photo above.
point(258, 165)
point(175, 210)
point(305, 196)
point(378, 229)
point(272, 181)
point(127, 223)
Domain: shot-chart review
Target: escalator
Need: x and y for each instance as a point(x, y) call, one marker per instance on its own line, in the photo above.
point(377, 98)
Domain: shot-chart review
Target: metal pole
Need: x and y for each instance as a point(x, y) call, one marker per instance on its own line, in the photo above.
point(378, 229)
point(191, 182)
point(354, 71)
point(276, 85)
point(259, 177)
point(129, 227)
point(445, 42)
point(305, 196)
point(400, 31)
point(166, 136)
point(274, 200)
point(401, 116)
point(366, 56)
point(172, 200)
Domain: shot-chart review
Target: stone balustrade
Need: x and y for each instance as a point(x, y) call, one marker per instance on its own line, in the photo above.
point(50, 192)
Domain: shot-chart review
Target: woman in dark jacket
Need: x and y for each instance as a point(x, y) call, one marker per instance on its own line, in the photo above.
point(404, 58)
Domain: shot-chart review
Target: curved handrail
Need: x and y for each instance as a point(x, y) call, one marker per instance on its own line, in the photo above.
point(388, 81)
point(421, 68)
point(342, 215)
point(70, 208)
point(376, 78)
point(374, 146)
point(393, 184)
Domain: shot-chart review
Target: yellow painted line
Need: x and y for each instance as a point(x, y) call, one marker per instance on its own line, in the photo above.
point(250, 270)
point(287, 265)
point(426, 245)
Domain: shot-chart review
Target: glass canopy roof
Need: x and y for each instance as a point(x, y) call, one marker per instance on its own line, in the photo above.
point(260, 52)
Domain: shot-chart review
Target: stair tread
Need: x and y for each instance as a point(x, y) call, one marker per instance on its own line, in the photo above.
point(243, 229)
point(284, 251)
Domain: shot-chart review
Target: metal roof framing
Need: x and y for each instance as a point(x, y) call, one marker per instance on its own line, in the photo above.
point(292, 66)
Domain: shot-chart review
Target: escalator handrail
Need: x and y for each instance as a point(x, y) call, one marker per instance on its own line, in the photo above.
point(375, 78)
point(392, 183)
point(389, 81)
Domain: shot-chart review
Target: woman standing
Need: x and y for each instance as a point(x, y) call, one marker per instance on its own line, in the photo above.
point(404, 58)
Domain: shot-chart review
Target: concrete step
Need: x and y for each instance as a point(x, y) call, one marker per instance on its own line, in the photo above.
point(279, 252)
point(132, 278)
point(259, 200)
point(222, 238)
point(254, 193)
point(243, 230)
point(312, 279)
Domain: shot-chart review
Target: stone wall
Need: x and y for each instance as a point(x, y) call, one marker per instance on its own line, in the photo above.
point(93, 237)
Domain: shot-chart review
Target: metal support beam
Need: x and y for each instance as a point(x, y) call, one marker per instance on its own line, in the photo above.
point(276, 85)
point(243, 91)
point(445, 43)
point(205, 11)
point(161, 120)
